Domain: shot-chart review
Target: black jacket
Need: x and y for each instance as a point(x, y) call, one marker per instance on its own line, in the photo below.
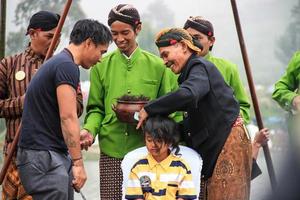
point(210, 105)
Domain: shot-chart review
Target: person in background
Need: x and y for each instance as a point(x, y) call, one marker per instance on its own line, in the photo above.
point(161, 137)
point(286, 93)
point(202, 30)
point(49, 156)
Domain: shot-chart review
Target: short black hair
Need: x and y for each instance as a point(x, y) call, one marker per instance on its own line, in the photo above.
point(89, 28)
point(163, 129)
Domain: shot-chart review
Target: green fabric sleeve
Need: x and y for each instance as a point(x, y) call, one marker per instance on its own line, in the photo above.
point(95, 104)
point(286, 87)
point(240, 94)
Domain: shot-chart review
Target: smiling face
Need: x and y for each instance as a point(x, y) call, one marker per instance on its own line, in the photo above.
point(158, 149)
point(124, 36)
point(41, 40)
point(175, 56)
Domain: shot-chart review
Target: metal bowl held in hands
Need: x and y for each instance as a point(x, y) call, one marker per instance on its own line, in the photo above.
point(125, 110)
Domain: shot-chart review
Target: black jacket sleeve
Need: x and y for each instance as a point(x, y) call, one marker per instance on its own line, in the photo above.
point(195, 87)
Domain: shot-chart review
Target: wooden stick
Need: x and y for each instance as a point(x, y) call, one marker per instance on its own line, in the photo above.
point(14, 144)
point(58, 30)
point(252, 92)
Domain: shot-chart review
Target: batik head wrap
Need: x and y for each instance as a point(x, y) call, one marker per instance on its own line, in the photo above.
point(200, 24)
point(168, 37)
point(43, 20)
point(125, 13)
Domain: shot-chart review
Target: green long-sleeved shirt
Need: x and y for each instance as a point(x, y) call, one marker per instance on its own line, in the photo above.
point(231, 76)
point(287, 87)
point(116, 75)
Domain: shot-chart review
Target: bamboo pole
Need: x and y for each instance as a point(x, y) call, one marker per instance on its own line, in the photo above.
point(252, 92)
point(2, 28)
point(14, 144)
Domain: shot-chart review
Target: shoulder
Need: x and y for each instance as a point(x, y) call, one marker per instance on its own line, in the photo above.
point(141, 162)
point(294, 64)
point(222, 61)
point(180, 162)
point(151, 57)
point(9, 61)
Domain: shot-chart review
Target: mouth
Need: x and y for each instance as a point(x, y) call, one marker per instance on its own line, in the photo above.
point(169, 64)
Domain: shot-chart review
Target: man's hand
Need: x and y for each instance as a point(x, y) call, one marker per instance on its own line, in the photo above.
point(142, 117)
point(86, 139)
point(262, 137)
point(296, 103)
point(79, 175)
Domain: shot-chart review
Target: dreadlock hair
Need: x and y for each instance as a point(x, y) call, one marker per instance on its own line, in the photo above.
point(163, 129)
point(171, 36)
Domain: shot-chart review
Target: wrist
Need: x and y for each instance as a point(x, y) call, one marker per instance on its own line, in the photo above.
point(77, 161)
point(257, 144)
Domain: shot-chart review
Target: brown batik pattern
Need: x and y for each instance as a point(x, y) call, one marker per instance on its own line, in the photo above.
point(111, 178)
point(232, 173)
point(12, 187)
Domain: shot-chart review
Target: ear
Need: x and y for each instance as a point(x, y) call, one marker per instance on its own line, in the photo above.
point(184, 46)
point(212, 40)
point(32, 33)
point(138, 29)
point(88, 42)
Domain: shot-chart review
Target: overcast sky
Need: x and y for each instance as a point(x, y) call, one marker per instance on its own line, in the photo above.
point(263, 22)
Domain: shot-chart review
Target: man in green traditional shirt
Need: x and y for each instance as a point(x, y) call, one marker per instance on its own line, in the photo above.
point(202, 30)
point(286, 91)
point(127, 70)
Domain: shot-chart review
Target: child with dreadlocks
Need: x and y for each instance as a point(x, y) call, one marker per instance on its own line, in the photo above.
point(162, 174)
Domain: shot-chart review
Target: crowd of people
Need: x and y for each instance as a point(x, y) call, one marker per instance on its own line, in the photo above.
point(196, 99)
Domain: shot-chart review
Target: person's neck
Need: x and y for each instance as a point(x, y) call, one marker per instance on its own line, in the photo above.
point(160, 158)
point(76, 53)
point(130, 51)
point(35, 50)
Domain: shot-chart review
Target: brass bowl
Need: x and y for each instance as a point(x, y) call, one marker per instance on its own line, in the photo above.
point(125, 110)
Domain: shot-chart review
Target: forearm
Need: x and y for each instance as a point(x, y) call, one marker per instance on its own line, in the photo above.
point(11, 107)
point(71, 132)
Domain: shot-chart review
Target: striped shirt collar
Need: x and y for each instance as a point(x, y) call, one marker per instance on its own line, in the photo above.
point(165, 164)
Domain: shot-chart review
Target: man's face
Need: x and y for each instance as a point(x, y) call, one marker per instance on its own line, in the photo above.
point(124, 36)
point(92, 53)
point(41, 40)
point(174, 57)
point(206, 41)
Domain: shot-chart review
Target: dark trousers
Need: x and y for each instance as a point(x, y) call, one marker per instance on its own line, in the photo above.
point(46, 174)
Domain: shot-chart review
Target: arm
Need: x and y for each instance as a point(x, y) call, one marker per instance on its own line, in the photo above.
point(79, 100)
point(9, 107)
point(240, 94)
point(133, 187)
point(94, 110)
point(66, 97)
point(186, 187)
point(195, 87)
point(169, 84)
point(260, 139)
point(285, 88)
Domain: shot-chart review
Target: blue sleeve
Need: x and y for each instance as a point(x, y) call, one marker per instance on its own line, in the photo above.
point(67, 73)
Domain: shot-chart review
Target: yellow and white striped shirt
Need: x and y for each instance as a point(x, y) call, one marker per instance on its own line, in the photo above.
point(167, 180)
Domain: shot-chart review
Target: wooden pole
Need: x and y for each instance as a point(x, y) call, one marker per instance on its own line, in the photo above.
point(14, 144)
point(252, 92)
point(58, 30)
point(2, 28)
